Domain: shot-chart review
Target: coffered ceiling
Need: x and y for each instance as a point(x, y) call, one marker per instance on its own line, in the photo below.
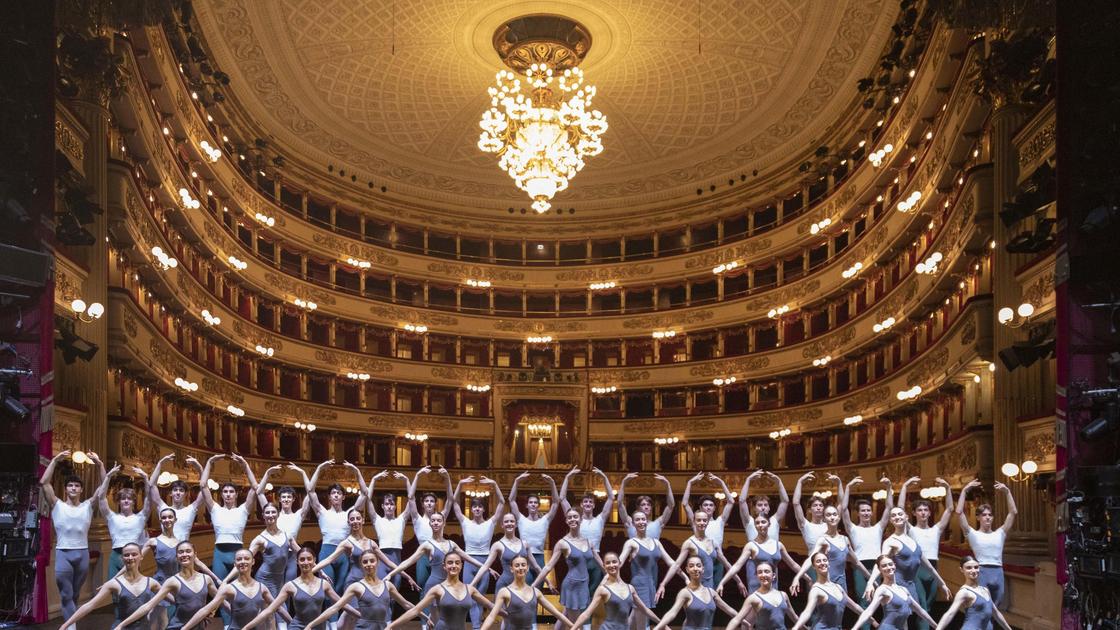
point(695, 92)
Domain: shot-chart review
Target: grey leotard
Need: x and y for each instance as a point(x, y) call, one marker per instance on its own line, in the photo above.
point(771, 617)
point(453, 611)
point(128, 603)
point(520, 614)
point(374, 608)
point(707, 558)
point(187, 603)
point(829, 614)
point(762, 555)
point(907, 562)
point(437, 574)
point(274, 564)
point(306, 608)
point(895, 612)
point(506, 578)
point(573, 590)
point(245, 608)
point(356, 550)
point(698, 615)
point(618, 610)
point(166, 562)
point(643, 572)
point(837, 568)
point(978, 616)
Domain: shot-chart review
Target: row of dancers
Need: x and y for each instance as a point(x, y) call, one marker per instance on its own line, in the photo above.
point(345, 552)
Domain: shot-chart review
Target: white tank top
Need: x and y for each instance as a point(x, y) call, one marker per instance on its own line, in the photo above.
point(812, 532)
point(229, 523)
point(867, 542)
point(987, 548)
point(71, 524)
point(478, 536)
point(929, 539)
point(390, 532)
point(592, 529)
point(184, 521)
point(653, 529)
point(333, 525)
point(126, 529)
point(290, 523)
point(714, 530)
point(421, 528)
point(773, 530)
point(532, 532)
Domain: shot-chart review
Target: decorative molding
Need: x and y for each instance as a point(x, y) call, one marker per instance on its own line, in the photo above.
point(469, 375)
point(618, 272)
point(867, 399)
point(139, 449)
point(299, 411)
point(1039, 447)
point(66, 139)
point(129, 323)
point(346, 247)
point(256, 337)
point(1039, 144)
point(968, 331)
point(66, 436)
point(904, 469)
point(781, 419)
point(651, 322)
point(164, 358)
point(955, 461)
point(411, 423)
point(829, 344)
point(476, 272)
point(928, 367)
point(523, 326)
point(612, 377)
point(408, 315)
point(298, 289)
point(227, 392)
point(661, 427)
point(784, 295)
point(1041, 290)
point(892, 306)
point(346, 361)
point(65, 286)
point(735, 252)
point(741, 365)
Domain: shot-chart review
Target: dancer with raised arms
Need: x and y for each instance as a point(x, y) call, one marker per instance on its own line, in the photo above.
point(591, 524)
point(761, 549)
point(189, 589)
point(389, 525)
point(906, 558)
point(577, 552)
point(698, 602)
point(185, 509)
point(372, 596)
point(128, 591)
point(826, 598)
point(274, 546)
point(333, 518)
point(229, 519)
point(976, 601)
point(898, 601)
point(644, 551)
point(616, 597)
point(71, 517)
point(451, 597)
point(533, 526)
point(162, 547)
point(478, 534)
point(928, 532)
point(837, 548)
point(518, 601)
point(865, 535)
point(422, 514)
point(812, 526)
point(654, 524)
point(507, 549)
point(307, 593)
point(987, 542)
point(716, 522)
point(767, 608)
point(289, 518)
point(126, 525)
point(761, 505)
point(708, 552)
point(246, 597)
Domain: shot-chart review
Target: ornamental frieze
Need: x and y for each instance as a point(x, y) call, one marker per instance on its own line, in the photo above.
point(226, 391)
point(892, 306)
point(476, 272)
point(1040, 290)
point(903, 469)
point(506, 325)
point(620, 272)
point(357, 250)
point(866, 399)
point(408, 315)
point(68, 141)
point(192, 292)
point(66, 286)
point(218, 239)
point(297, 289)
point(411, 423)
point(828, 210)
point(782, 296)
point(1039, 447)
point(781, 419)
point(129, 323)
point(829, 343)
point(929, 367)
point(1039, 145)
point(741, 250)
point(669, 320)
point(252, 203)
point(743, 365)
point(299, 411)
point(955, 461)
point(352, 362)
point(470, 375)
point(165, 359)
point(661, 427)
point(610, 377)
point(139, 449)
point(257, 338)
point(968, 332)
point(66, 436)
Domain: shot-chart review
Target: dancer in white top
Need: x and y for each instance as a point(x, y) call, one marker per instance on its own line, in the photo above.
point(389, 525)
point(478, 535)
point(761, 549)
point(928, 533)
point(813, 526)
point(645, 504)
point(333, 523)
point(716, 522)
point(986, 542)
point(228, 519)
point(645, 551)
point(837, 549)
point(591, 524)
point(700, 544)
point(127, 525)
point(71, 518)
point(289, 518)
point(421, 515)
point(185, 510)
point(533, 526)
point(866, 536)
point(761, 505)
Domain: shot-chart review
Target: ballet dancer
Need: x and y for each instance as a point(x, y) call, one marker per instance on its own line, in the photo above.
point(128, 591)
point(866, 536)
point(274, 546)
point(389, 525)
point(716, 523)
point(127, 525)
point(478, 534)
point(229, 519)
point(533, 526)
point(70, 517)
point(189, 588)
point(707, 551)
point(767, 608)
point(421, 516)
point(371, 595)
point(906, 558)
point(289, 519)
point(699, 602)
point(162, 548)
point(616, 597)
point(644, 551)
point(578, 553)
point(307, 592)
point(927, 533)
point(645, 504)
point(591, 524)
point(451, 597)
point(761, 549)
point(332, 517)
point(518, 601)
point(185, 511)
point(813, 526)
point(898, 601)
point(507, 549)
point(246, 596)
point(979, 608)
point(837, 548)
point(761, 505)
point(986, 542)
point(826, 598)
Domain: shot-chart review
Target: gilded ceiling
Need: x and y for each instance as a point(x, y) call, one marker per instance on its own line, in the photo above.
point(695, 92)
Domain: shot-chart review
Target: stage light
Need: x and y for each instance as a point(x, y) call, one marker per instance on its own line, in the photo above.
point(1102, 425)
point(74, 347)
point(1026, 353)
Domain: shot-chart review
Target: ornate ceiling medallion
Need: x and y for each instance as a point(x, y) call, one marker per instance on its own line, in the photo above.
point(542, 134)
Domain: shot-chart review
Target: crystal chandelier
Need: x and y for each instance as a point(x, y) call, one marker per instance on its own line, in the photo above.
point(542, 126)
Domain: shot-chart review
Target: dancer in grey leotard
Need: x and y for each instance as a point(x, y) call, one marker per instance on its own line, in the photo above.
point(246, 597)
point(763, 549)
point(307, 593)
point(838, 549)
point(519, 602)
point(372, 595)
point(190, 588)
point(706, 549)
point(616, 597)
point(767, 608)
point(577, 551)
point(976, 601)
point(698, 602)
point(131, 590)
point(451, 597)
point(508, 547)
point(826, 600)
point(897, 601)
point(188, 601)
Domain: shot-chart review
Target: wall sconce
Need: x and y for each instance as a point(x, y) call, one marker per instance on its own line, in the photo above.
point(853, 420)
point(911, 201)
point(187, 200)
point(852, 271)
point(164, 261)
point(933, 493)
point(265, 219)
point(604, 390)
point(306, 305)
point(1017, 317)
point(1019, 472)
point(823, 361)
point(774, 313)
point(822, 494)
point(884, 325)
point(357, 376)
point(360, 264)
point(237, 263)
point(664, 334)
point(727, 266)
point(212, 484)
point(264, 351)
point(666, 441)
point(779, 435)
point(212, 153)
point(602, 286)
point(910, 394)
point(87, 312)
point(879, 495)
point(415, 328)
point(210, 320)
point(478, 388)
point(482, 284)
point(235, 411)
point(166, 478)
point(478, 494)
point(416, 437)
point(186, 385)
point(540, 339)
point(726, 380)
point(303, 426)
point(929, 265)
point(539, 430)
point(876, 157)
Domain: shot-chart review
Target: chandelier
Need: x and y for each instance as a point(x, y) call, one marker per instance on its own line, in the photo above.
point(542, 125)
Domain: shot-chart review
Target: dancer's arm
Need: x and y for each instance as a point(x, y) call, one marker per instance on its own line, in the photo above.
point(333, 596)
point(747, 554)
point(688, 495)
point(881, 596)
point(680, 601)
point(432, 596)
point(309, 486)
point(343, 547)
point(447, 491)
point(501, 600)
point(262, 492)
point(422, 550)
point(810, 605)
point(728, 501)
point(608, 503)
point(638, 603)
point(170, 587)
point(744, 497)
point(905, 489)
point(455, 499)
point(363, 490)
point(798, 511)
point(963, 599)
point(623, 515)
point(947, 513)
point(672, 570)
point(286, 591)
point(670, 500)
point(921, 612)
point(854, 559)
point(929, 567)
point(203, 479)
point(153, 486)
point(203, 485)
point(103, 596)
point(1012, 510)
point(501, 507)
point(102, 492)
point(845, 516)
point(551, 608)
point(600, 596)
point(251, 495)
point(495, 551)
point(886, 517)
point(554, 504)
point(513, 495)
point(565, 505)
point(559, 550)
point(965, 527)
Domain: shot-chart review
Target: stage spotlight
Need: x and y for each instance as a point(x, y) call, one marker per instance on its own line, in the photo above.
point(74, 347)
point(1101, 425)
point(1026, 353)
point(70, 232)
point(1098, 219)
point(10, 403)
point(1035, 241)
